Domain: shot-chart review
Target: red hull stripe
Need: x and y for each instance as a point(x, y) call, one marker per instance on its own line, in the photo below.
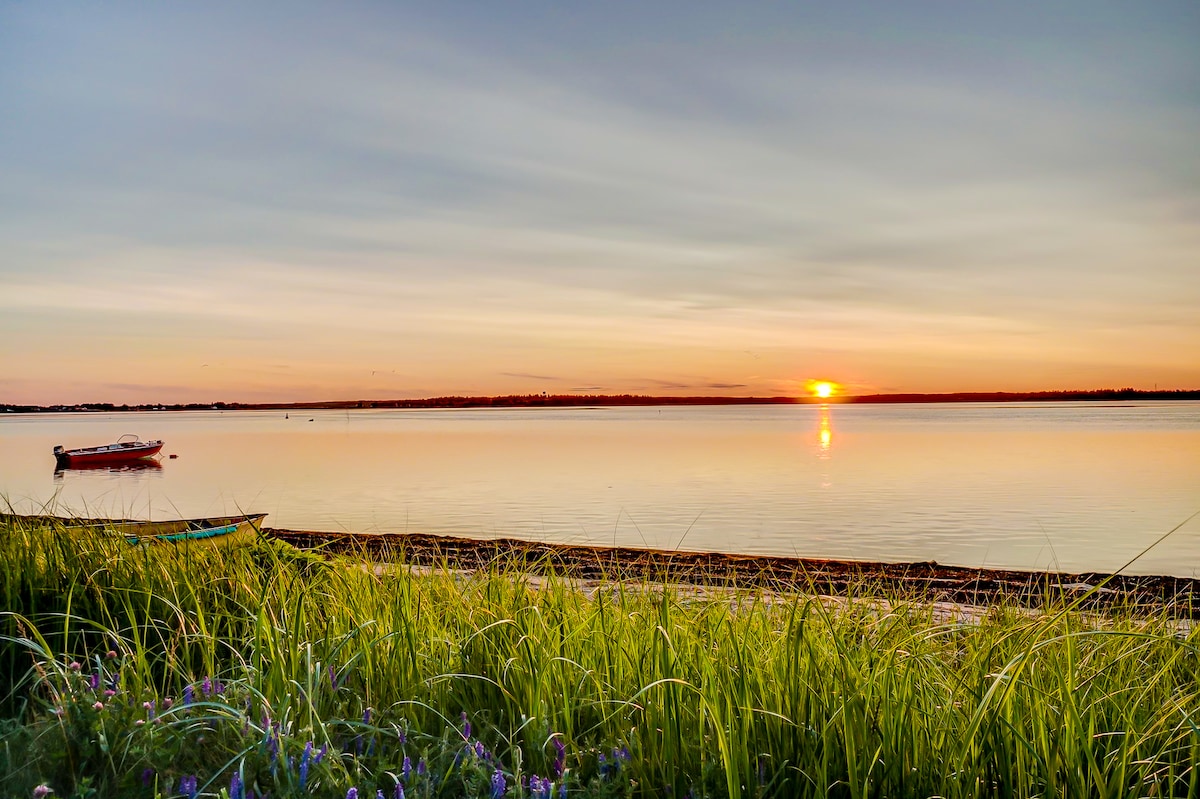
point(114, 456)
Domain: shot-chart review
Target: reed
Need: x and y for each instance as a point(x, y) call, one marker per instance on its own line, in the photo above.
point(184, 670)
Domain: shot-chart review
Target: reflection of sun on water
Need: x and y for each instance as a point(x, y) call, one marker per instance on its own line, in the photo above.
point(825, 433)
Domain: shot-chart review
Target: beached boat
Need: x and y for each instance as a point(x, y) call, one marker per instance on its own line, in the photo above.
point(120, 452)
point(220, 529)
point(217, 529)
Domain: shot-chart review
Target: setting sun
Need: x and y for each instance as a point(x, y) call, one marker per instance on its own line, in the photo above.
point(822, 388)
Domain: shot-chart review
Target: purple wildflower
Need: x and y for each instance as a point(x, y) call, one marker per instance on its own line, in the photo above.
point(188, 786)
point(94, 681)
point(405, 769)
point(333, 680)
point(189, 695)
point(206, 686)
point(321, 753)
point(499, 784)
point(562, 790)
point(379, 795)
point(421, 767)
point(76, 666)
point(466, 728)
point(236, 789)
point(399, 792)
point(305, 759)
point(352, 793)
point(540, 788)
point(560, 757)
point(41, 791)
point(479, 750)
point(147, 776)
point(367, 716)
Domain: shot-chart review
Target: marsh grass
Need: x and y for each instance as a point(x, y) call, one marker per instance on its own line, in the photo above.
point(131, 671)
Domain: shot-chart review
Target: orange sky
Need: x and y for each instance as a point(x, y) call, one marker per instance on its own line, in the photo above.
point(212, 203)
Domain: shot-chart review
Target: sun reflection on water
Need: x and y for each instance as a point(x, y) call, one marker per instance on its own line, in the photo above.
point(824, 433)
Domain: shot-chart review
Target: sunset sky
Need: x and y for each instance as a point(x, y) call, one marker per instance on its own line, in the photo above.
point(283, 201)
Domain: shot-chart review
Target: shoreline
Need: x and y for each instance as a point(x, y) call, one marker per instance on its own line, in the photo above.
point(625, 400)
point(924, 581)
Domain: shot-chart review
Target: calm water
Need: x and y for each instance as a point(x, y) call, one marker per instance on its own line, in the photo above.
point(1065, 485)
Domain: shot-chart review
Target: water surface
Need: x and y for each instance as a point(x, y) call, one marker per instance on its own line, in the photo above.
point(1077, 486)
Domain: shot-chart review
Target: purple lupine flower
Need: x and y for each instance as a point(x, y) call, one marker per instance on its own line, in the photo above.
point(405, 769)
point(399, 794)
point(206, 686)
point(189, 695)
point(560, 757)
point(147, 776)
point(236, 789)
point(479, 750)
point(562, 790)
point(94, 681)
point(499, 784)
point(540, 788)
point(352, 793)
point(421, 767)
point(218, 687)
point(188, 786)
point(305, 759)
point(466, 728)
point(321, 753)
point(367, 716)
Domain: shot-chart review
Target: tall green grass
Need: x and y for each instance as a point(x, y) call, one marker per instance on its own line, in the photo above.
point(650, 690)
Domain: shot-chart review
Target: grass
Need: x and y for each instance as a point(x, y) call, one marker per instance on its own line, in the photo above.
point(182, 670)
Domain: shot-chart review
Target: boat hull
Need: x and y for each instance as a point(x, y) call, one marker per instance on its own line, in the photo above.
point(107, 454)
point(222, 529)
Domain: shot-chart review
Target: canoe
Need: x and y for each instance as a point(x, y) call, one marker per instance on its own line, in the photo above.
point(219, 529)
point(121, 452)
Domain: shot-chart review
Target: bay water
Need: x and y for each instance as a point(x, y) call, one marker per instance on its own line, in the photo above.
point(1066, 486)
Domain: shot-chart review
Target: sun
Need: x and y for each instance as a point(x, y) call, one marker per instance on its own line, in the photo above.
point(822, 389)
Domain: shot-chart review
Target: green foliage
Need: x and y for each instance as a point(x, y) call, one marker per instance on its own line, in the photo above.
point(130, 671)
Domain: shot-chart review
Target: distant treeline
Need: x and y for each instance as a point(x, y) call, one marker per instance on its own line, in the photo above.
point(609, 400)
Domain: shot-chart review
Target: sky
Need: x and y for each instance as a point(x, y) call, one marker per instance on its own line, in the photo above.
point(228, 201)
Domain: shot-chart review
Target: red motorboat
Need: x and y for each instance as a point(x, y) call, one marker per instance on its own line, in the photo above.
point(121, 452)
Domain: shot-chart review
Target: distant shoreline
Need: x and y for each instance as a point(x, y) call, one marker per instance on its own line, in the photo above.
point(618, 400)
